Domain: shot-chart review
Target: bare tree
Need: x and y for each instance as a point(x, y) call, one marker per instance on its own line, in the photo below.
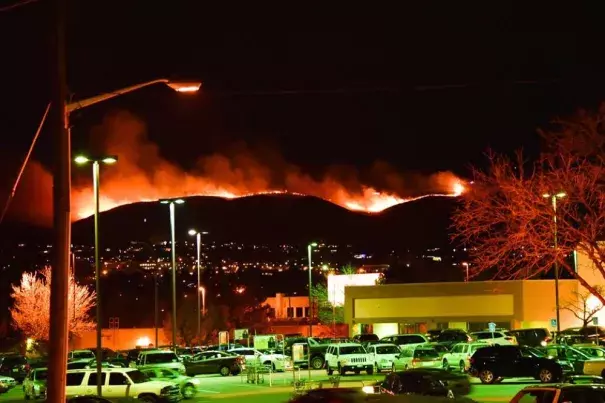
point(31, 307)
point(508, 222)
point(581, 308)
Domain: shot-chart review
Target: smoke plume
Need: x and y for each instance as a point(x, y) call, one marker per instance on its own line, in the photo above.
point(142, 174)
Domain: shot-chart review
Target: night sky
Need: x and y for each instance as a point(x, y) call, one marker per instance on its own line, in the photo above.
point(422, 89)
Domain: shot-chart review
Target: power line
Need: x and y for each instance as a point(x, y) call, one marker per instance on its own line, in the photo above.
point(17, 5)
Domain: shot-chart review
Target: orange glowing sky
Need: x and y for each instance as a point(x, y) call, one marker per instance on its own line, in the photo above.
point(369, 201)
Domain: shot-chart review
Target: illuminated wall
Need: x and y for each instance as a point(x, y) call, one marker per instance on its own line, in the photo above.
point(121, 339)
point(337, 284)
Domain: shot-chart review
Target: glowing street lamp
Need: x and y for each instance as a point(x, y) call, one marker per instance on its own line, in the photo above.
point(553, 199)
point(198, 239)
point(62, 225)
point(171, 203)
point(81, 160)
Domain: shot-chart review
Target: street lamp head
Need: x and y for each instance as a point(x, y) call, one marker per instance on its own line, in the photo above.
point(165, 201)
point(546, 195)
point(204, 232)
point(313, 244)
point(110, 159)
point(560, 195)
point(184, 86)
point(179, 201)
point(81, 159)
point(192, 232)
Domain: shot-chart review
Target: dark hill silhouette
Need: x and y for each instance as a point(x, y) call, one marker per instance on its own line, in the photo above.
point(276, 218)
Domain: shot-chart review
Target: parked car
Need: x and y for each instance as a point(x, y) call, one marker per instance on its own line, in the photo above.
point(498, 338)
point(14, 366)
point(158, 358)
point(253, 357)
point(495, 363)
point(345, 357)
point(561, 393)
point(80, 355)
point(383, 355)
point(417, 357)
point(405, 339)
point(120, 383)
point(7, 383)
point(562, 353)
point(187, 384)
point(449, 337)
point(362, 338)
point(534, 337)
point(318, 350)
point(215, 362)
point(428, 382)
point(432, 334)
point(593, 351)
point(34, 384)
point(442, 349)
point(460, 354)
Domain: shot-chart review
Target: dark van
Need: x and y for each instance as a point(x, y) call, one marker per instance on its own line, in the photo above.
point(536, 337)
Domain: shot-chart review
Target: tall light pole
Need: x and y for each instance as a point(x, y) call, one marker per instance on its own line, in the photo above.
point(310, 270)
point(198, 239)
point(171, 203)
point(61, 111)
point(156, 297)
point(96, 162)
point(553, 199)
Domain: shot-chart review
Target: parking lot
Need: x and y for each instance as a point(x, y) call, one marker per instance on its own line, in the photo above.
point(278, 388)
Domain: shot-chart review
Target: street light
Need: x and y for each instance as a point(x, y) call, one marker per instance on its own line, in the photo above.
point(309, 252)
point(62, 221)
point(171, 203)
point(81, 160)
point(553, 198)
point(198, 239)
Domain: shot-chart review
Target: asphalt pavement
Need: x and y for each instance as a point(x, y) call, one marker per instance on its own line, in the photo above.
point(278, 388)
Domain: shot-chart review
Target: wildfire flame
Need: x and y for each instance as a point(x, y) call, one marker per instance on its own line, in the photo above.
point(370, 201)
point(143, 175)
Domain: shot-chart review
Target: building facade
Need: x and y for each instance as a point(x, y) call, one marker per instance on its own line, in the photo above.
point(416, 308)
point(285, 307)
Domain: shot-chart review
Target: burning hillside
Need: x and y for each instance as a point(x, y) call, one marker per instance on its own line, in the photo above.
point(142, 174)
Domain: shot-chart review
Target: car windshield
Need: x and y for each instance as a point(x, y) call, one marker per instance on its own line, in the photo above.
point(41, 375)
point(426, 353)
point(137, 376)
point(352, 350)
point(158, 358)
point(387, 350)
point(534, 351)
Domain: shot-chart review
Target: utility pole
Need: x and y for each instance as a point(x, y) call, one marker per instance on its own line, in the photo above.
point(61, 208)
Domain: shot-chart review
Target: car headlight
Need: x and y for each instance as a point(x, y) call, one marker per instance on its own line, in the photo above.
point(368, 390)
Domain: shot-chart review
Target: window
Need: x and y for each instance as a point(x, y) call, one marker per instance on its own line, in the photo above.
point(137, 376)
point(166, 373)
point(92, 379)
point(159, 358)
point(306, 312)
point(457, 348)
point(387, 350)
point(426, 353)
point(290, 312)
point(411, 339)
point(116, 378)
point(271, 313)
point(75, 379)
point(352, 350)
point(41, 375)
point(299, 312)
point(78, 355)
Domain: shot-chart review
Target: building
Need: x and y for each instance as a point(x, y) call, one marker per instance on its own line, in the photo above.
point(121, 339)
point(416, 308)
point(287, 307)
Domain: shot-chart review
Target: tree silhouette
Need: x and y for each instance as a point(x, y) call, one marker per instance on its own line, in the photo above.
point(582, 307)
point(507, 216)
point(31, 307)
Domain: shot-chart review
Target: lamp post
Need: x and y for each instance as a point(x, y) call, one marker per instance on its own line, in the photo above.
point(198, 241)
point(61, 112)
point(156, 297)
point(96, 162)
point(553, 199)
point(171, 203)
point(465, 264)
point(310, 269)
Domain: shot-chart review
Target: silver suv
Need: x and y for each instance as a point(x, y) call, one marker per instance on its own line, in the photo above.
point(159, 359)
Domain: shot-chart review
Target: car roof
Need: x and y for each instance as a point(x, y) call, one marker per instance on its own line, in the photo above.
point(345, 344)
point(566, 386)
point(384, 345)
point(76, 371)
